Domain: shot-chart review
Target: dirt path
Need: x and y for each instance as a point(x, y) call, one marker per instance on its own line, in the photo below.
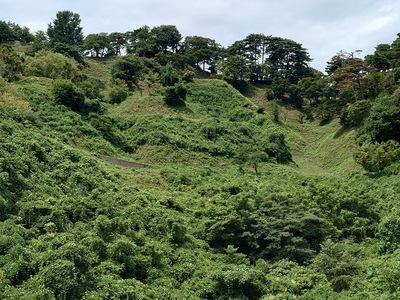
point(121, 162)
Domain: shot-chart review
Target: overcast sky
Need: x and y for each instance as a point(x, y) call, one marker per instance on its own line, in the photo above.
point(323, 27)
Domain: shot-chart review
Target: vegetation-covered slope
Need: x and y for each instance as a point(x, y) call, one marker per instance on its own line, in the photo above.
point(244, 195)
point(199, 222)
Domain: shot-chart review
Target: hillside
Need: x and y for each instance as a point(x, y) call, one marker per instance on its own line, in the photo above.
point(231, 204)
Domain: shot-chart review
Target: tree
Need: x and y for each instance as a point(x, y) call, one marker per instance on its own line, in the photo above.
point(383, 121)
point(381, 59)
point(65, 35)
point(287, 59)
point(314, 89)
point(337, 263)
point(130, 69)
point(348, 73)
point(141, 42)
point(98, 45)
point(251, 155)
point(255, 46)
point(201, 50)
point(169, 76)
point(118, 41)
point(354, 114)
point(267, 58)
point(65, 29)
point(40, 42)
point(11, 63)
point(166, 38)
point(21, 34)
point(286, 92)
point(395, 52)
point(6, 33)
point(235, 67)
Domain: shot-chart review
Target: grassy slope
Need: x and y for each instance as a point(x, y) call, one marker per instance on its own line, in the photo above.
point(317, 149)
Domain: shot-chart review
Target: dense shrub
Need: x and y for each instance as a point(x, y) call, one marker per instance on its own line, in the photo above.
point(52, 65)
point(66, 93)
point(377, 156)
point(91, 87)
point(169, 76)
point(175, 95)
point(11, 63)
point(354, 114)
point(383, 122)
point(132, 69)
point(118, 92)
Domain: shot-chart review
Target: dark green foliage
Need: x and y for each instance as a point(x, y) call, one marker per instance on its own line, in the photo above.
point(98, 45)
point(274, 229)
point(72, 51)
point(166, 37)
point(142, 42)
point(387, 231)
point(130, 69)
point(118, 92)
point(65, 29)
point(65, 35)
point(91, 87)
point(346, 205)
point(61, 277)
point(275, 146)
point(6, 33)
point(66, 93)
point(175, 95)
point(169, 76)
point(40, 42)
point(354, 114)
point(200, 51)
point(10, 32)
point(11, 63)
point(286, 92)
point(264, 58)
point(382, 124)
point(337, 262)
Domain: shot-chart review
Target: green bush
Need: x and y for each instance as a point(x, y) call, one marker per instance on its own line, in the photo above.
point(66, 93)
point(377, 156)
point(118, 93)
point(46, 63)
point(354, 114)
point(175, 95)
point(169, 76)
point(11, 63)
point(91, 87)
point(382, 123)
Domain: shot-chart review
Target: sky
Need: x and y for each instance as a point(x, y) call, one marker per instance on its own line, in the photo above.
point(323, 27)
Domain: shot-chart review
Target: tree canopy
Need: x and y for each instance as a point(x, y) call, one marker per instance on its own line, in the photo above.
point(66, 29)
